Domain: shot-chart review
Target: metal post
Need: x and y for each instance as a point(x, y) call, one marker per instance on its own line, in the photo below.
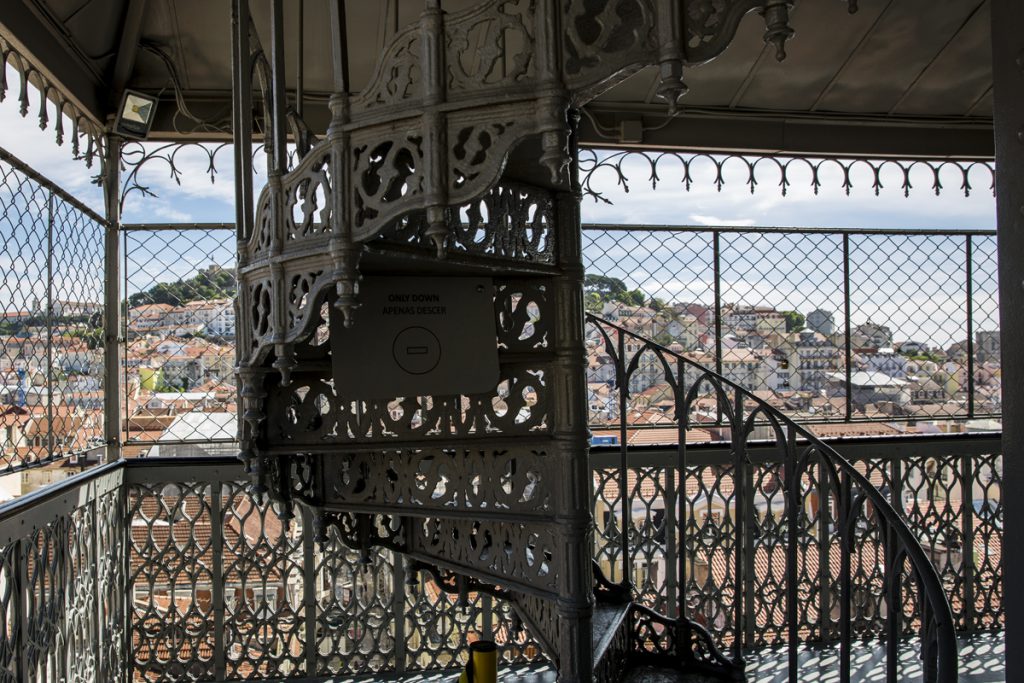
point(49, 326)
point(241, 102)
point(969, 267)
point(739, 525)
point(309, 581)
point(624, 506)
point(669, 523)
point(398, 597)
point(749, 595)
point(1008, 93)
point(681, 500)
point(242, 120)
point(967, 471)
point(123, 242)
point(571, 434)
point(824, 543)
point(112, 301)
point(127, 671)
point(793, 504)
point(846, 319)
point(894, 622)
point(278, 95)
point(845, 580)
point(892, 594)
point(94, 569)
point(300, 61)
point(217, 577)
point(20, 600)
point(717, 253)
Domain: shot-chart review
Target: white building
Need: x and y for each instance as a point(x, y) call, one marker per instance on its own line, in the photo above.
point(885, 361)
point(811, 358)
point(215, 317)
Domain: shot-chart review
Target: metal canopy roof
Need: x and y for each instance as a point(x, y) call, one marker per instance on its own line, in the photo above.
point(898, 78)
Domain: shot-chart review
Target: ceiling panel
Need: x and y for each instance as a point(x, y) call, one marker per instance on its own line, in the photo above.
point(960, 74)
point(717, 82)
point(909, 37)
point(826, 34)
point(911, 59)
point(95, 26)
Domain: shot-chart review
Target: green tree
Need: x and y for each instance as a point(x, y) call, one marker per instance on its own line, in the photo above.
point(212, 283)
point(608, 288)
point(794, 321)
point(592, 302)
point(633, 298)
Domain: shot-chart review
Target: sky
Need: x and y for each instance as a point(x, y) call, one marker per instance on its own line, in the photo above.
point(916, 283)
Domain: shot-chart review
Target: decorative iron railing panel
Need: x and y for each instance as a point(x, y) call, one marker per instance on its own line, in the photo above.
point(832, 325)
point(62, 595)
point(136, 580)
point(950, 492)
point(51, 335)
point(167, 570)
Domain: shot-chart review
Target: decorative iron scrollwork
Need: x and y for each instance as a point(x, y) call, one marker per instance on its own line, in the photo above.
point(596, 169)
point(82, 125)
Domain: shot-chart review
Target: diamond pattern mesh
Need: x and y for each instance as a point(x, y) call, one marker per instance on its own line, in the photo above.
point(768, 308)
point(51, 338)
point(180, 337)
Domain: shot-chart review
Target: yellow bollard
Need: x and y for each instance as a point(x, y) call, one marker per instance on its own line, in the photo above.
point(483, 663)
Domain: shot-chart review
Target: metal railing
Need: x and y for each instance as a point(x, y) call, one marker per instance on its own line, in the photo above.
point(809, 316)
point(147, 530)
point(951, 496)
point(165, 569)
point(801, 547)
point(161, 568)
point(51, 330)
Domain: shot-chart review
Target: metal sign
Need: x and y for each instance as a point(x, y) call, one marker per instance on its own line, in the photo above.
point(417, 336)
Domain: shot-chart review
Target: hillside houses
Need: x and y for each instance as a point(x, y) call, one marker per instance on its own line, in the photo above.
point(804, 369)
point(208, 317)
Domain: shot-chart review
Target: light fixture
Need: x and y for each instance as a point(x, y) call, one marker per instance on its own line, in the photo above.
point(135, 115)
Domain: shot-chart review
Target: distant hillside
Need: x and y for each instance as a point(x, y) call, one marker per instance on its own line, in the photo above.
point(214, 282)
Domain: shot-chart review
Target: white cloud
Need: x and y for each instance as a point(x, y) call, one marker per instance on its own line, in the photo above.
point(169, 213)
point(22, 137)
point(715, 220)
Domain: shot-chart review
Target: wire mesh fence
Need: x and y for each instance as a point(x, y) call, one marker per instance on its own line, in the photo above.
point(179, 352)
point(890, 327)
point(51, 330)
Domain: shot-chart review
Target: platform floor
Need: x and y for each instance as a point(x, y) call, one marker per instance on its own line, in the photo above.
point(982, 660)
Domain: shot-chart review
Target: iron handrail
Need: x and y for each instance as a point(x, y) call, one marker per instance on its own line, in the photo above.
point(851, 489)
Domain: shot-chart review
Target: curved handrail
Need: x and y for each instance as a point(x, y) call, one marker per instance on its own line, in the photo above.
point(852, 490)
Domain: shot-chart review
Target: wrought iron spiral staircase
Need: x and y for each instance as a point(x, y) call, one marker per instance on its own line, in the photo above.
point(913, 591)
point(466, 168)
